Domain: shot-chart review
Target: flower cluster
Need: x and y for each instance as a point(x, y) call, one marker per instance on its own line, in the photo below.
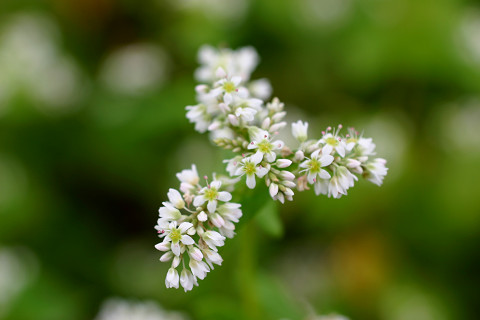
point(239, 117)
point(193, 223)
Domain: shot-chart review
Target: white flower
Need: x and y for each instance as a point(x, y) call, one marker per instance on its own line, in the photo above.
point(212, 194)
point(176, 198)
point(250, 167)
point(283, 163)
point(313, 166)
point(213, 239)
point(333, 143)
point(299, 130)
point(366, 146)
point(199, 268)
point(187, 280)
point(172, 278)
point(265, 147)
point(260, 88)
point(189, 178)
point(342, 180)
point(233, 164)
point(230, 213)
point(246, 114)
point(376, 171)
point(228, 88)
point(198, 115)
point(178, 236)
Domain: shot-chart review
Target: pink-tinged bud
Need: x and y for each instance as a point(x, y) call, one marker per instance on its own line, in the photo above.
point(299, 156)
point(167, 256)
point(289, 184)
point(201, 88)
point(283, 163)
point(217, 220)
point(278, 126)
point(287, 175)
point(163, 246)
point(196, 254)
point(288, 192)
point(233, 120)
point(352, 163)
point(202, 216)
point(279, 116)
point(175, 262)
point(266, 123)
point(273, 189)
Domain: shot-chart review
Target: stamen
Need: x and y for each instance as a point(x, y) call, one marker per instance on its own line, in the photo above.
point(329, 128)
point(323, 132)
point(340, 126)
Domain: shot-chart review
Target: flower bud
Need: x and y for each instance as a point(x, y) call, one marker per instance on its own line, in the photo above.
point(283, 163)
point(299, 156)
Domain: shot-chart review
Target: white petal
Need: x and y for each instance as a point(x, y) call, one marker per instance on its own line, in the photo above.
point(257, 157)
point(315, 153)
point(216, 184)
point(220, 73)
point(324, 174)
point(326, 160)
point(261, 172)
point(278, 144)
point(187, 240)
point(202, 216)
point(227, 98)
point(199, 200)
point(271, 156)
point(273, 189)
point(236, 80)
point(251, 181)
point(184, 226)
point(176, 248)
point(212, 206)
point(252, 145)
point(341, 151)
point(311, 176)
point(327, 149)
point(224, 196)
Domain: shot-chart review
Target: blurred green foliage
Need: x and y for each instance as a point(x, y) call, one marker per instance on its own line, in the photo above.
point(84, 165)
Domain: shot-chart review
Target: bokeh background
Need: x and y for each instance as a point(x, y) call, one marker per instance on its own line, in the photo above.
point(93, 130)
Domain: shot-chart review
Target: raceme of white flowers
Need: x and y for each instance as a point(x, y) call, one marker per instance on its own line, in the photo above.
point(235, 111)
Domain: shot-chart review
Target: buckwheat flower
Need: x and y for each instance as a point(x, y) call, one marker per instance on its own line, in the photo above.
point(283, 163)
point(251, 167)
point(245, 113)
point(376, 171)
point(212, 194)
point(189, 176)
point(366, 146)
point(199, 268)
point(299, 130)
point(176, 198)
point(178, 236)
point(260, 88)
point(233, 164)
point(341, 181)
point(333, 143)
point(172, 278)
point(265, 147)
point(187, 280)
point(198, 115)
point(228, 88)
point(213, 239)
point(314, 165)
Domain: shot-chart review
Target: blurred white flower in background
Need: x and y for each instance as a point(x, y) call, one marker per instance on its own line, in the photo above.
point(469, 36)
point(121, 309)
point(18, 267)
point(324, 13)
point(214, 9)
point(135, 69)
point(33, 63)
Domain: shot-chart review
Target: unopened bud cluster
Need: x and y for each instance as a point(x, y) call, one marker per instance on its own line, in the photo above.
point(239, 118)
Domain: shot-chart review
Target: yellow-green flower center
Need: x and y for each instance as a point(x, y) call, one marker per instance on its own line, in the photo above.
point(175, 235)
point(249, 168)
point(354, 140)
point(314, 166)
point(211, 194)
point(229, 86)
point(332, 141)
point(265, 146)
